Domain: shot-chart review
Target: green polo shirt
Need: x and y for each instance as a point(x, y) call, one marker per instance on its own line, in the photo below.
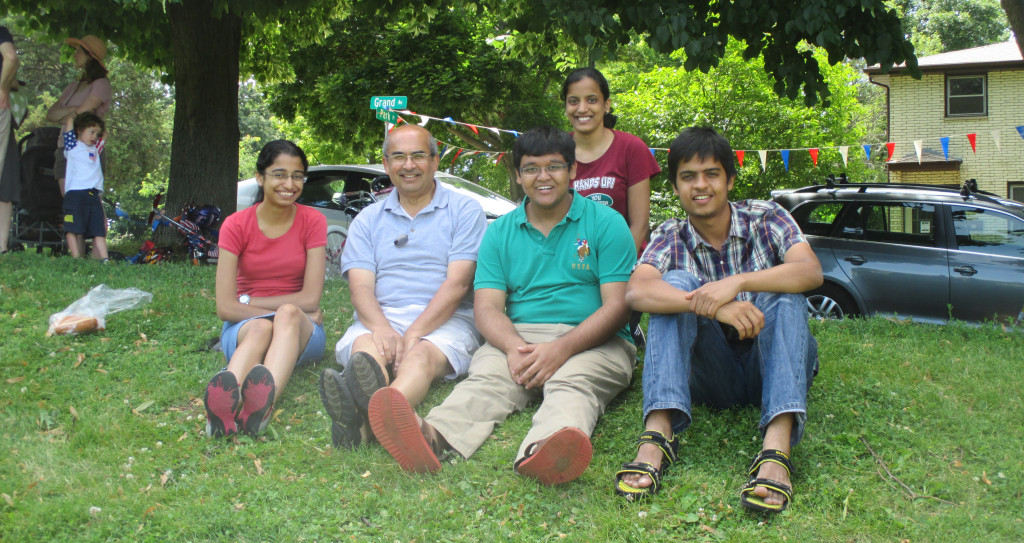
point(556, 279)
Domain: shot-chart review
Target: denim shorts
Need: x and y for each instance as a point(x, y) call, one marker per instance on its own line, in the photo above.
point(314, 347)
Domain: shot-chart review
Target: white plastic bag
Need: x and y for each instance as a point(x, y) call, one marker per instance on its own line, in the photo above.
point(89, 312)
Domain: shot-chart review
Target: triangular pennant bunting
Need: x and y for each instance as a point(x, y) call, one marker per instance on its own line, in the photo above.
point(844, 151)
point(473, 128)
point(995, 138)
point(1020, 130)
point(498, 160)
point(945, 146)
point(891, 148)
point(785, 158)
point(456, 157)
point(973, 138)
point(764, 160)
point(739, 156)
point(867, 151)
point(918, 145)
point(814, 156)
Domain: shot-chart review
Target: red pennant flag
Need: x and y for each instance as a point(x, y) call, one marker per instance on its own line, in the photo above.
point(973, 138)
point(400, 121)
point(456, 157)
point(473, 128)
point(814, 156)
point(498, 160)
point(739, 156)
point(891, 147)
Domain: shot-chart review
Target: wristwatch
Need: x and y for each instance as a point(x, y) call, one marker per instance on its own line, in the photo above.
point(244, 299)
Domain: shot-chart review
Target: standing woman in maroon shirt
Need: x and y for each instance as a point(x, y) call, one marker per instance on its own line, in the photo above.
point(612, 167)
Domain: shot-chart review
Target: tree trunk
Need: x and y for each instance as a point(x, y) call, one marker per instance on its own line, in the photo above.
point(204, 151)
point(1015, 14)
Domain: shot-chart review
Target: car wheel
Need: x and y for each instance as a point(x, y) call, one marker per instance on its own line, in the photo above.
point(828, 302)
point(335, 245)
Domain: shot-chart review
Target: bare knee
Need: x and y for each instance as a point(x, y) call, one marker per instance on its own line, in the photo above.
point(288, 316)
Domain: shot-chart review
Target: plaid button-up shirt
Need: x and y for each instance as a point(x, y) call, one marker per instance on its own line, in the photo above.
point(760, 234)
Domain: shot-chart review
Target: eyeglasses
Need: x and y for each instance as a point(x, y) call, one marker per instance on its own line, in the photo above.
point(298, 177)
point(534, 171)
point(418, 157)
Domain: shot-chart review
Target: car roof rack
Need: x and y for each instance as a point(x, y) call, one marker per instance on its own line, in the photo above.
point(967, 190)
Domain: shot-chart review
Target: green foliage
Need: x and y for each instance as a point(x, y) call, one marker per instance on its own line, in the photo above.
point(937, 26)
point(910, 436)
point(777, 30)
point(445, 66)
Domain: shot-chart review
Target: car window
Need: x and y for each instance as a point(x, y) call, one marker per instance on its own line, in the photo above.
point(817, 218)
point(319, 192)
point(904, 223)
point(989, 232)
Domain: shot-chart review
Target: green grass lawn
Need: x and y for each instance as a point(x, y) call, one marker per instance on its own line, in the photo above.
point(914, 433)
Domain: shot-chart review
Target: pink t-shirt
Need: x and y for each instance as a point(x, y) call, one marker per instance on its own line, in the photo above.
point(272, 267)
point(626, 162)
point(73, 96)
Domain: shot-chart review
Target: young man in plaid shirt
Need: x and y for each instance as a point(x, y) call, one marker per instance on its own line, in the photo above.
point(728, 325)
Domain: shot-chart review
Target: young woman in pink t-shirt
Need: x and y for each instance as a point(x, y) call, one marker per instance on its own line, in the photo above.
point(612, 167)
point(270, 276)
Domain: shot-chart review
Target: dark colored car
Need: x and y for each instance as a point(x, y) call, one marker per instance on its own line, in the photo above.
point(929, 253)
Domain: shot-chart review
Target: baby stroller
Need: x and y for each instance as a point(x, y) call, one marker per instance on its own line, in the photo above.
point(196, 223)
point(38, 218)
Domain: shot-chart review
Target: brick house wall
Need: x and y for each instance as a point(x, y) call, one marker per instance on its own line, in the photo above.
point(917, 111)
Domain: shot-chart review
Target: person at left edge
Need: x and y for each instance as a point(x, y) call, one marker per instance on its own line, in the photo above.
point(10, 177)
point(270, 276)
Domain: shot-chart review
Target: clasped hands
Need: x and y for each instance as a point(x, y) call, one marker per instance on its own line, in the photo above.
point(532, 364)
point(393, 346)
point(717, 300)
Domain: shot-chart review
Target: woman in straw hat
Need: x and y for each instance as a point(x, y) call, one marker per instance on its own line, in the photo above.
point(92, 92)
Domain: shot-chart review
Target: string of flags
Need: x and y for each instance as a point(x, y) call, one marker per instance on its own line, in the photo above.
point(456, 152)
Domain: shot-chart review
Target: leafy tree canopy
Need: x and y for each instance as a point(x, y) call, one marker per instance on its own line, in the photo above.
point(777, 30)
point(937, 26)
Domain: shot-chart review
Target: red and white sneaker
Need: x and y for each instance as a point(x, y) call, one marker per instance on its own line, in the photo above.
point(223, 400)
point(258, 391)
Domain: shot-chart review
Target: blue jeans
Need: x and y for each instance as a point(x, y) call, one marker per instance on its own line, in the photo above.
point(690, 360)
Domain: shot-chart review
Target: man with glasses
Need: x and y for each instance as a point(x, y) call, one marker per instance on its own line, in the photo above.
point(550, 301)
point(409, 261)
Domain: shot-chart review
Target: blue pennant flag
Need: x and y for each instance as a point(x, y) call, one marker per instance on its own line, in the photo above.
point(652, 151)
point(785, 159)
point(1020, 130)
point(945, 146)
point(867, 151)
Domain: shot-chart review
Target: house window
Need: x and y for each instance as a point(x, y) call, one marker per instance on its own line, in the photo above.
point(1015, 191)
point(966, 95)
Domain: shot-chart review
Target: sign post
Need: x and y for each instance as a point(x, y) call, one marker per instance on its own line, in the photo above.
point(385, 106)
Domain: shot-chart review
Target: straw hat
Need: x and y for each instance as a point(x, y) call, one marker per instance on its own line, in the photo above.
point(95, 47)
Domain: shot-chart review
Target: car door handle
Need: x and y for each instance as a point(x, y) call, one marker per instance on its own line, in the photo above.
point(856, 260)
point(965, 270)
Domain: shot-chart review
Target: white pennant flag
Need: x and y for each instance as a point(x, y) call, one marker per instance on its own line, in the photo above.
point(495, 130)
point(844, 150)
point(764, 160)
point(995, 136)
point(917, 149)
point(424, 120)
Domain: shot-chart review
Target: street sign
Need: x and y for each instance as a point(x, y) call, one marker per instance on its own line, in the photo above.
point(388, 102)
point(387, 116)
